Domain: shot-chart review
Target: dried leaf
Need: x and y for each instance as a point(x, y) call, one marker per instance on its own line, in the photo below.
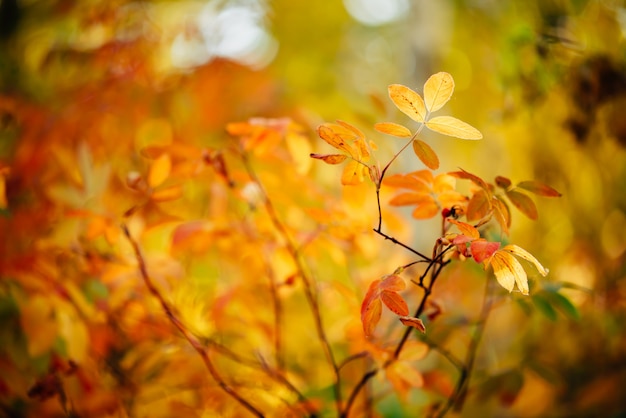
point(437, 91)
point(408, 101)
point(539, 188)
point(330, 158)
point(416, 323)
point(393, 129)
point(522, 253)
point(501, 213)
point(394, 302)
point(479, 206)
point(483, 250)
point(328, 134)
point(523, 203)
point(451, 126)
point(426, 154)
point(159, 170)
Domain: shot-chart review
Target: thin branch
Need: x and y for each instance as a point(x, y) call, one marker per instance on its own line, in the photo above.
point(460, 391)
point(193, 341)
point(306, 280)
point(406, 247)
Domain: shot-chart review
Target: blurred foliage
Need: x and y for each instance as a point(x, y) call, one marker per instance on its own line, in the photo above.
point(91, 99)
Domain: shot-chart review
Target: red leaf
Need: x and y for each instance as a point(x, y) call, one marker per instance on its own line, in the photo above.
point(503, 182)
point(371, 316)
point(394, 302)
point(483, 250)
point(372, 293)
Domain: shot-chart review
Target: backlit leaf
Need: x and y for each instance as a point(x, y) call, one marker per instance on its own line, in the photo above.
point(159, 170)
point(478, 206)
point(522, 253)
point(426, 211)
point(501, 213)
point(416, 323)
point(408, 101)
point(393, 283)
point(426, 154)
point(393, 129)
point(509, 272)
point(437, 91)
point(451, 126)
point(483, 250)
point(404, 199)
point(353, 173)
point(370, 316)
point(167, 194)
point(330, 158)
point(462, 174)
point(539, 188)
point(466, 229)
point(327, 134)
point(394, 302)
point(523, 203)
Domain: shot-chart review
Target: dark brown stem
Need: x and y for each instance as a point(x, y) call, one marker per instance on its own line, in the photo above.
point(193, 341)
point(406, 247)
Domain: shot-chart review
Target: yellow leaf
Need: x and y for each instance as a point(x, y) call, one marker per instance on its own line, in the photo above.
point(426, 154)
point(509, 272)
point(522, 253)
point(38, 322)
point(299, 147)
point(452, 126)
point(159, 170)
point(353, 174)
point(437, 91)
point(329, 135)
point(408, 101)
point(393, 129)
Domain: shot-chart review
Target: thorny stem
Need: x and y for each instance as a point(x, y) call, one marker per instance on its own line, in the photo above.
point(192, 339)
point(306, 280)
point(460, 390)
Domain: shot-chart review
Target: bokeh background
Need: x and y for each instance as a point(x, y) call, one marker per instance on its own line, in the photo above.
point(87, 86)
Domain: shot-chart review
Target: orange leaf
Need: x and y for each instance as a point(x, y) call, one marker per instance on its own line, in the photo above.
point(393, 129)
point(426, 154)
point(353, 173)
point(392, 283)
point(403, 376)
point(394, 302)
point(462, 174)
point(328, 134)
point(466, 229)
point(416, 323)
point(503, 182)
point(408, 101)
point(372, 293)
point(523, 203)
point(169, 193)
point(330, 158)
point(478, 206)
point(370, 316)
point(404, 199)
point(483, 250)
point(159, 170)
point(451, 126)
point(426, 211)
point(539, 188)
point(437, 90)
point(501, 213)
point(407, 182)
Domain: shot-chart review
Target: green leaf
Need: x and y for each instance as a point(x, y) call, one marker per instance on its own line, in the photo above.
point(543, 305)
point(564, 305)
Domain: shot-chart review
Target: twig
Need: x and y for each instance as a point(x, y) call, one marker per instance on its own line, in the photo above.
point(306, 280)
point(193, 341)
point(395, 241)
